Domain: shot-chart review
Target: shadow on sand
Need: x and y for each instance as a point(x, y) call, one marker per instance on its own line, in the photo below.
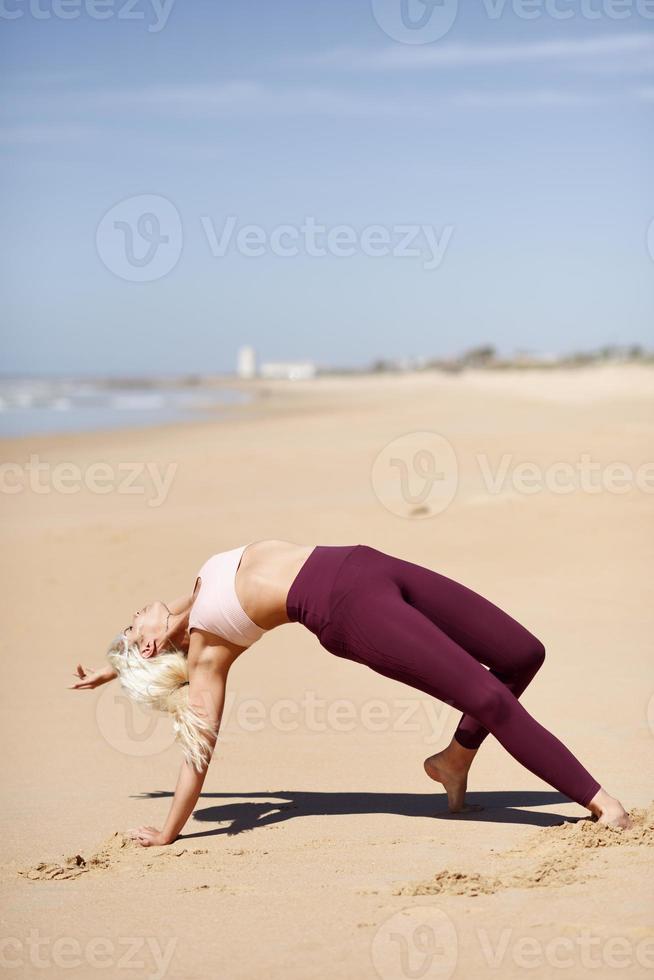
point(260, 809)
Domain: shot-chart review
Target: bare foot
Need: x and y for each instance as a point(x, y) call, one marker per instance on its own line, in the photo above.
point(452, 771)
point(609, 811)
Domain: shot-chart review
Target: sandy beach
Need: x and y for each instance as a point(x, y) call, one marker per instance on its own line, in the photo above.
point(319, 848)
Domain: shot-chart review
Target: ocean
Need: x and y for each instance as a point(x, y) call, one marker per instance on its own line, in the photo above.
point(40, 406)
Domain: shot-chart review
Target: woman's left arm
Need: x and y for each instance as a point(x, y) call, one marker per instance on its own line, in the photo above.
point(209, 664)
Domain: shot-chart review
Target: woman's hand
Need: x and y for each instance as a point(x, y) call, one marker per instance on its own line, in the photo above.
point(88, 679)
point(149, 837)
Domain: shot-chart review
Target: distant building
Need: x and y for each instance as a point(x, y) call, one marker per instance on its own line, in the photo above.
point(409, 363)
point(246, 362)
point(290, 370)
point(528, 358)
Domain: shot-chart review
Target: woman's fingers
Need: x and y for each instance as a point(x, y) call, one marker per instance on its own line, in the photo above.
point(85, 681)
point(144, 835)
point(82, 673)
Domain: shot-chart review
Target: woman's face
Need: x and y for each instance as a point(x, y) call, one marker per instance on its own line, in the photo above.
point(148, 627)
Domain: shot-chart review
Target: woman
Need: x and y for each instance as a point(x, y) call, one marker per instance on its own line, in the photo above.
point(399, 618)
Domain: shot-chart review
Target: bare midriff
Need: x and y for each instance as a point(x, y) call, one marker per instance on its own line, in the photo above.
point(264, 576)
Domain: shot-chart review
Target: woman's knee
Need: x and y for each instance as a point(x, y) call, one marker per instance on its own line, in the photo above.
point(537, 652)
point(531, 653)
point(490, 704)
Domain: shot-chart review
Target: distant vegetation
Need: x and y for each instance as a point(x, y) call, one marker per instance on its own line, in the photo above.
point(486, 356)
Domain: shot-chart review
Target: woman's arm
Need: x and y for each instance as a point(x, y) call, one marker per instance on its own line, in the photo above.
point(88, 679)
point(187, 791)
point(209, 663)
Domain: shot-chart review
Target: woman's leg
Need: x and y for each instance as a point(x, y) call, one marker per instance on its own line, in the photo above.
point(392, 636)
point(494, 638)
point(508, 649)
point(486, 632)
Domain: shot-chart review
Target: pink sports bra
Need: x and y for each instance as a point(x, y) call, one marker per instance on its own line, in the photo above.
point(216, 608)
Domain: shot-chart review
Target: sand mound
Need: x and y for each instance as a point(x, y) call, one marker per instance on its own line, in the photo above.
point(589, 833)
point(556, 856)
point(118, 850)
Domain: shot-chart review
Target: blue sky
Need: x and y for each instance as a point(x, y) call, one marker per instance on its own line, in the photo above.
point(519, 137)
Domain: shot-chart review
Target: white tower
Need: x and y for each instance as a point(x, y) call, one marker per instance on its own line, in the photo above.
point(246, 364)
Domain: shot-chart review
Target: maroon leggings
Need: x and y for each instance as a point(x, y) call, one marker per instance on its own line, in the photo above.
point(419, 627)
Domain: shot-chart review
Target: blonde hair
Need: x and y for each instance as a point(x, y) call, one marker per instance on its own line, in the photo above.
point(161, 682)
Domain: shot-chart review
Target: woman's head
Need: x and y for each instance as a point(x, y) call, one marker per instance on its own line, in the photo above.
point(159, 679)
point(153, 629)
